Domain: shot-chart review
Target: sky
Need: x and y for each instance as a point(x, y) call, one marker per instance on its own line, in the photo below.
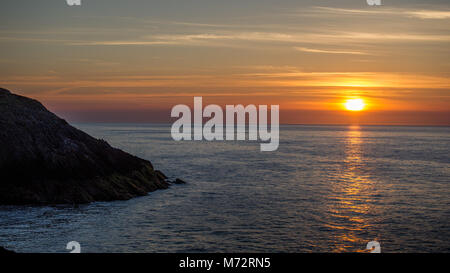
point(132, 61)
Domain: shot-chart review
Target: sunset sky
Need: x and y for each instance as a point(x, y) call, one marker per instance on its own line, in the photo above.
point(132, 61)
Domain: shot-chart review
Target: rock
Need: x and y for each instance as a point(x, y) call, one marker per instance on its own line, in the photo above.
point(44, 160)
point(4, 250)
point(4, 91)
point(161, 175)
point(179, 181)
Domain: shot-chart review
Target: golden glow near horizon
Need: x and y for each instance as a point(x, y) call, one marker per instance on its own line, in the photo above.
point(355, 105)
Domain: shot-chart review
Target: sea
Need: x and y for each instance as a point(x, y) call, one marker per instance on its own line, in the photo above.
point(326, 189)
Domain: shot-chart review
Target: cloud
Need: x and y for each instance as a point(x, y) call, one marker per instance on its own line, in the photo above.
point(230, 39)
point(312, 50)
point(422, 14)
point(430, 14)
point(121, 43)
point(281, 77)
point(196, 39)
point(332, 10)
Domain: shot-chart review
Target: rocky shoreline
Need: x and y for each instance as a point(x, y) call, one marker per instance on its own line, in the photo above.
point(44, 160)
point(5, 251)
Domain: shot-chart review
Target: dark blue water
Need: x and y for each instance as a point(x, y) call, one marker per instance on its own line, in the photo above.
point(327, 189)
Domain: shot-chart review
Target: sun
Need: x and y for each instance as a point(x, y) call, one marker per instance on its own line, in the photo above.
point(355, 105)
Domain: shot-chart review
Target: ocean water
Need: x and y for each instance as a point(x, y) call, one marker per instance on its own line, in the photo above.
point(327, 189)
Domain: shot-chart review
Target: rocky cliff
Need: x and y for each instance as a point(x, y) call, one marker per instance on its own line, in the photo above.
point(44, 160)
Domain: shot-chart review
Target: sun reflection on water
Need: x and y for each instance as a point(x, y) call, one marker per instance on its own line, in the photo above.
point(350, 203)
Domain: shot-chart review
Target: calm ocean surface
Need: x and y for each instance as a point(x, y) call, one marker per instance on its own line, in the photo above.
point(327, 189)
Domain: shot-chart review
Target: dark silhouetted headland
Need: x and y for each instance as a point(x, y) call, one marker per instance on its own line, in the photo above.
point(44, 160)
point(4, 251)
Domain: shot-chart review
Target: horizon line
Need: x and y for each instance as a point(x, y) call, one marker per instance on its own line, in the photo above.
point(285, 124)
